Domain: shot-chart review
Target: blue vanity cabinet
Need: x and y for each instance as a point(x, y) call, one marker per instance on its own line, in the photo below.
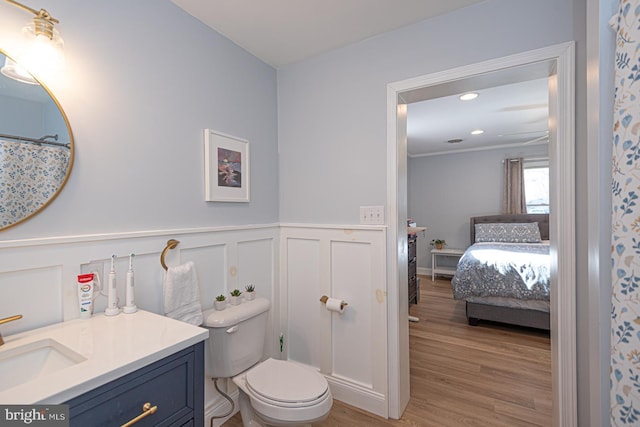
point(175, 385)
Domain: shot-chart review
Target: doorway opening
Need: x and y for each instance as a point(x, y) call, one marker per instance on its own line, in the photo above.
point(556, 63)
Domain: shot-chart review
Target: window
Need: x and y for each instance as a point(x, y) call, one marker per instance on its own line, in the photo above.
point(536, 186)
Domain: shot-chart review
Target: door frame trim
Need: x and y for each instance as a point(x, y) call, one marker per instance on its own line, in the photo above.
point(562, 225)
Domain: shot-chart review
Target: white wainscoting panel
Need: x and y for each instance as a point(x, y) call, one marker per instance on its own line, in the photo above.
point(351, 331)
point(38, 276)
point(349, 348)
point(210, 264)
point(259, 257)
point(304, 289)
point(36, 293)
point(291, 265)
point(256, 263)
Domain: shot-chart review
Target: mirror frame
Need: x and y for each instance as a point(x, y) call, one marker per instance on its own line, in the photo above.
point(71, 153)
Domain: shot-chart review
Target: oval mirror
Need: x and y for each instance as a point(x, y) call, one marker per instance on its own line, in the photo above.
point(36, 145)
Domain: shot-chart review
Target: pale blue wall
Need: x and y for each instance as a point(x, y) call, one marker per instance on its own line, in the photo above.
point(332, 121)
point(21, 117)
point(333, 108)
point(443, 192)
point(136, 116)
point(144, 79)
point(54, 124)
point(32, 119)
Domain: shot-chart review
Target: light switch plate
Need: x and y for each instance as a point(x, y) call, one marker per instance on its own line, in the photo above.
point(372, 215)
point(377, 214)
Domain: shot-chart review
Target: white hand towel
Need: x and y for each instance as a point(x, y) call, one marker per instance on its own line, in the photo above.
point(181, 296)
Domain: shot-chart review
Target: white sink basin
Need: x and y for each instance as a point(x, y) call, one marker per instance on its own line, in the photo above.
point(34, 360)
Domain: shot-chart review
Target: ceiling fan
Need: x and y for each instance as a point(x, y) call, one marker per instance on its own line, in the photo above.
point(531, 141)
point(540, 138)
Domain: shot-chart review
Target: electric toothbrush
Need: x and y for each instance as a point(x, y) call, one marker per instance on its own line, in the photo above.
point(112, 298)
point(130, 306)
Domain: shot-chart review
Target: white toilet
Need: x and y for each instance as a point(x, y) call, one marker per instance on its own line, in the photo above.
point(272, 392)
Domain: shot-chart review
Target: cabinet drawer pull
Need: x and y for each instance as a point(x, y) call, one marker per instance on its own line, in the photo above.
point(147, 409)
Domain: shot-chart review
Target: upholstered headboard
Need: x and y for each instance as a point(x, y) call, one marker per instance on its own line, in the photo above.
point(541, 219)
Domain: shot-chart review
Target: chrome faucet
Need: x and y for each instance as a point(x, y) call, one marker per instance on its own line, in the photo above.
point(8, 319)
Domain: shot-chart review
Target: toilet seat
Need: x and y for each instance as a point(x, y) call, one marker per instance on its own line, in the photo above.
point(267, 392)
point(286, 384)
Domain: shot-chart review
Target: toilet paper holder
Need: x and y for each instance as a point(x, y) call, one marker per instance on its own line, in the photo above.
point(325, 298)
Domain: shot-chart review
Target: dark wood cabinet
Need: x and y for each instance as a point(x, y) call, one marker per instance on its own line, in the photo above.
point(413, 268)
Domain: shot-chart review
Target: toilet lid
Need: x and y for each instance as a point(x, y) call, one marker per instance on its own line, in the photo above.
point(285, 381)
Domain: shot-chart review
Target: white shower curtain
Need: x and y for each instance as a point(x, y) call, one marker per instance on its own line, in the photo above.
point(29, 176)
point(625, 310)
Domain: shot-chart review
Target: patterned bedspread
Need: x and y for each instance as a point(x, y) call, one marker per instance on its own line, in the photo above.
point(514, 270)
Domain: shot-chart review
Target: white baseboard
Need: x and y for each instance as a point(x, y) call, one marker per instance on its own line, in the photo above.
point(424, 271)
point(358, 396)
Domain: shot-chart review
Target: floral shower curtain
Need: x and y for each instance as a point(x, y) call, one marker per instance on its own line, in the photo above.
point(625, 312)
point(29, 175)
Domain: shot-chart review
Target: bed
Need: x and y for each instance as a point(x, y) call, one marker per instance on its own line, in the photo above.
point(504, 275)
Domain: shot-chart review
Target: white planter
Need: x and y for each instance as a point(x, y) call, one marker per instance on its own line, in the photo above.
point(235, 300)
point(220, 305)
point(249, 296)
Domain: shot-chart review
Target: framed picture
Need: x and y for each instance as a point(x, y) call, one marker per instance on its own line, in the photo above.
point(226, 168)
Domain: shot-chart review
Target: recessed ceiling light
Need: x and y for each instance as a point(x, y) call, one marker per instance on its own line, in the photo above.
point(477, 132)
point(468, 96)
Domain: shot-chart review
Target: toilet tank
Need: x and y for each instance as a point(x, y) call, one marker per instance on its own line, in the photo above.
point(236, 337)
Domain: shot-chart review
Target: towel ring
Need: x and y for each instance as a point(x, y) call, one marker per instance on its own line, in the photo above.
point(171, 244)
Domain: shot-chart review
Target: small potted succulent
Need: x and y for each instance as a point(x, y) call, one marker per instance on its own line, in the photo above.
point(236, 297)
point(220, 303)
point(249, 292)
point(438, 243)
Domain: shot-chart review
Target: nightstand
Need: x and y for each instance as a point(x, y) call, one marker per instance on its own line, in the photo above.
point(448, 252)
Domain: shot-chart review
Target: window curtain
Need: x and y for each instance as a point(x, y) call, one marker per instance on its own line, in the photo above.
point(625, 220)
point(513, 199)
point(29, 175)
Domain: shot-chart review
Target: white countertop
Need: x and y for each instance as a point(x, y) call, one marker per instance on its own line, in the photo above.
point(113, 346)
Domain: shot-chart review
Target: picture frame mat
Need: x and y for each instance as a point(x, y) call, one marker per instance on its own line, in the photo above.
point(214, 192)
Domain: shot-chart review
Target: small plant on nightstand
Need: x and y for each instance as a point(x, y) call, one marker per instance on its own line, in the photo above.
point(249, 292)
point(438, 243)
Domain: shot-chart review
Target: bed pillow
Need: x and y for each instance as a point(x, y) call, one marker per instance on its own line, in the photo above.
point(526, 232)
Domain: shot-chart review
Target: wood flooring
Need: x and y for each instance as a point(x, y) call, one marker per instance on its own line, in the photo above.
point(487, 375)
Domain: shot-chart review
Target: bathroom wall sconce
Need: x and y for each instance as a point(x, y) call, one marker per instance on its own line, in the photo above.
point(43, 51)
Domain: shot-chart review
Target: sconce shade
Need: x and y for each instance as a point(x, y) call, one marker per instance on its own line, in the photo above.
point(43, 51)
point(14, 71)
point(44, 48)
